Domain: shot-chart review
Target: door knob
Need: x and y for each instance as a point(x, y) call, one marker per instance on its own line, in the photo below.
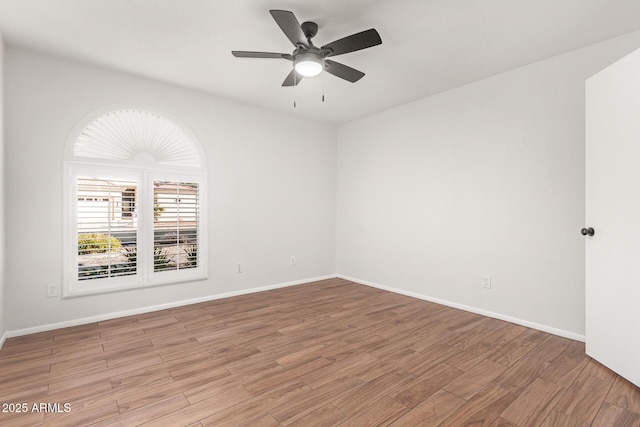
point(588, 231)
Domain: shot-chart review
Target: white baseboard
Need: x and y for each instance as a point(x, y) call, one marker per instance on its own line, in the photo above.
point(141, 310)
point(148, 309)
point(528, 324)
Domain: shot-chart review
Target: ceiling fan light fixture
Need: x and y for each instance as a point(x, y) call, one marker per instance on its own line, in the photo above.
point(307, 64)
point(310, 60)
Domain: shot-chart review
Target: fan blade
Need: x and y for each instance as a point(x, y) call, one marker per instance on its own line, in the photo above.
point(358, 41)
point(245, 54)
point(292, 79)
point(290, 26)
point(344, 72)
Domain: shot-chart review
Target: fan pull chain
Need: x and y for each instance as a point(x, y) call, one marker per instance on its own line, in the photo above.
point(323, 73)
point(295, 85)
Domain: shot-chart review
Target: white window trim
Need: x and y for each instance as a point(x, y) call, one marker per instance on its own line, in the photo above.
point(145, 276)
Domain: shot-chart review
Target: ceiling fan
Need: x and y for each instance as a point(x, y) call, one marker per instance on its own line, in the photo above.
point(309, 60)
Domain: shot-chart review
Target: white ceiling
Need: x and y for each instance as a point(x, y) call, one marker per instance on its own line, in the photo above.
point(429, 46)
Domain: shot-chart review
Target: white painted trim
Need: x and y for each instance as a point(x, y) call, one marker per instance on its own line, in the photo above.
point(109, 316)
point(528, 324)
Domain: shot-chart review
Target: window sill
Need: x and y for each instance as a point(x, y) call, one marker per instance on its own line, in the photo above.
point(69, 292)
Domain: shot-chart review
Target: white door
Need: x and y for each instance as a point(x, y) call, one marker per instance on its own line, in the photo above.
point(613, 210)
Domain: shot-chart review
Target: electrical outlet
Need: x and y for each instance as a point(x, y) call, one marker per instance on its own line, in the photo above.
point(239, 268)
point(486, 282)
point(293, 260)
point(52, 290)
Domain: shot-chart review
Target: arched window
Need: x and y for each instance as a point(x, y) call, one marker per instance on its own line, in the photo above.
point(135, 204)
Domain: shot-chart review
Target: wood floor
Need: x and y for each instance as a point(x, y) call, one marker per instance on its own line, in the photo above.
point(327, 353)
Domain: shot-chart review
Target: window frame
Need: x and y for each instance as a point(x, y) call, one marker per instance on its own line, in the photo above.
point(145, 275)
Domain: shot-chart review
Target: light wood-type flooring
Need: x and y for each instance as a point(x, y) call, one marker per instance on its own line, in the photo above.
point(330, 353)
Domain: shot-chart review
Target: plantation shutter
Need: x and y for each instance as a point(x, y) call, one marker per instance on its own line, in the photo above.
point(176, 225)
point(106, 227)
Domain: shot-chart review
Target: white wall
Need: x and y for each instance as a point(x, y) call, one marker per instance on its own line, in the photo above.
point(486, 179)
point(2, 204)
point(271, 192)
